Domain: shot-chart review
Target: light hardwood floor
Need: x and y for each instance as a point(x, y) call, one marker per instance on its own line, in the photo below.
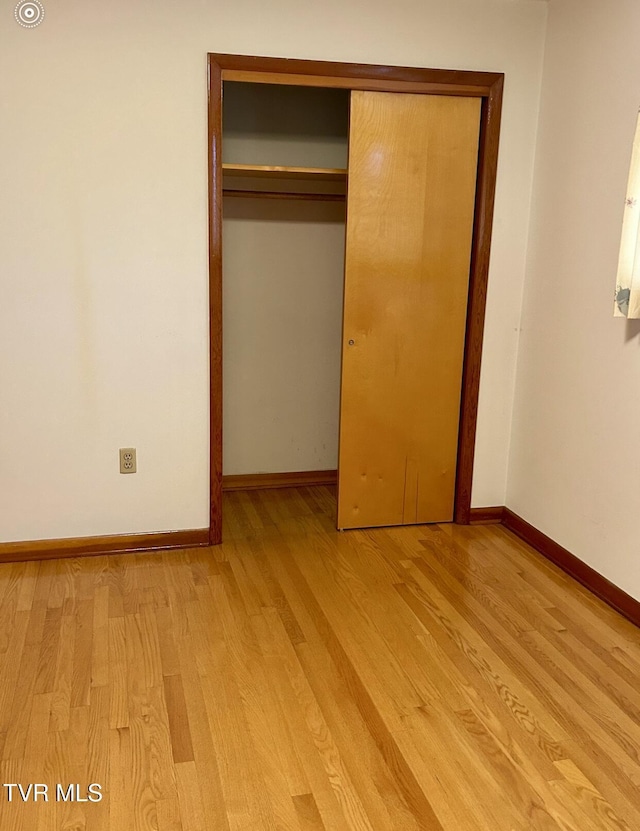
point(428, 677)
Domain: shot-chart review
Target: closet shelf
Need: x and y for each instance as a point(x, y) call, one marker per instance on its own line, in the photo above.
point(313, 174)
point(283, 194)
point(273, 182)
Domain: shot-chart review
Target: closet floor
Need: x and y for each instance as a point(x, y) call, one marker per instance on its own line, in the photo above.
point(429, 677)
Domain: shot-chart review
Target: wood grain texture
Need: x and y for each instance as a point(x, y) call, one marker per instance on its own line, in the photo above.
point(178, 719)
point(109, 544)
point(427, 678)
point(410, 208)
point(486, 85)
point(261, 481)
point(572, 565)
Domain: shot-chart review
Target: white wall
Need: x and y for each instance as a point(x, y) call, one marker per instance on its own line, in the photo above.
point(575, 464)
point(283, 264)
point(103, 235)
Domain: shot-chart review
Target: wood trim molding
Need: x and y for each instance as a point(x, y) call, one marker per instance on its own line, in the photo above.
point(615, 597)
point(11, 552)
point(486, 516)
point(352, 82)
point(479, 277)
point(354, 75)
point(258, 481)
point(215, 301)
point(488, 86)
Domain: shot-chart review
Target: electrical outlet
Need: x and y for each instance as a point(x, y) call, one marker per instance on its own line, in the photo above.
point(128, 462)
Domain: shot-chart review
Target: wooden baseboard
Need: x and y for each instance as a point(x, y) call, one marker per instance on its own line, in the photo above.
point(486, 516)
point(256, 481)
point(11, 552)
point(574, 567)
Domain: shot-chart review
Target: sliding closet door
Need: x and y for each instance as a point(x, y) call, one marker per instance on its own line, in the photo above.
point(410, 205)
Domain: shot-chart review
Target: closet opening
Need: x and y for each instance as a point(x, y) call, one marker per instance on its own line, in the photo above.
point(359, 347)
point(284, 178)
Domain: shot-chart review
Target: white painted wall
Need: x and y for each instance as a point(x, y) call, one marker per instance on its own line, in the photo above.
point(575, 462)
point(283, 264)
point(103, 235)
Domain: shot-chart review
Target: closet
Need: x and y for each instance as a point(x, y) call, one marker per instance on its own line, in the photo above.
point(284, 183)
point(350, 215)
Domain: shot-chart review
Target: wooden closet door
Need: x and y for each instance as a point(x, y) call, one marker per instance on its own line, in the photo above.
point(410, 206)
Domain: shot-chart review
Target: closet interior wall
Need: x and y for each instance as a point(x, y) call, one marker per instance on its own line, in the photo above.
point(283, 267)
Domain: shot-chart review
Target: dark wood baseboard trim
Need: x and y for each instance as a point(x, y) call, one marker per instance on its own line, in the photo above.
point(486, 516)
point(12, 552)
point(574, 567)
point(257, 481)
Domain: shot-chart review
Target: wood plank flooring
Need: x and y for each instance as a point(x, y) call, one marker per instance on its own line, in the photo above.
point(440, 678)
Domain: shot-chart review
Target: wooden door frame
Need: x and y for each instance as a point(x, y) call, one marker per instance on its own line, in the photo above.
point(485, 85)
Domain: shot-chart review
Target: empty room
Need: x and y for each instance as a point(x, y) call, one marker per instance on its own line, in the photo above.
point(319, 384)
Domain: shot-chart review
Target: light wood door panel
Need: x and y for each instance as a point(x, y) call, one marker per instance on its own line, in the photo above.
point(410, 205)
